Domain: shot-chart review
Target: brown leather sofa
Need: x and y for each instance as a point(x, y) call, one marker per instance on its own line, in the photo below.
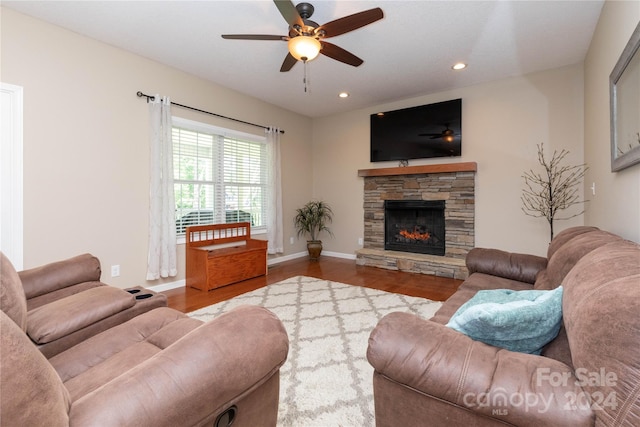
point(160, 368)
point(426, 373)
point(67, 303)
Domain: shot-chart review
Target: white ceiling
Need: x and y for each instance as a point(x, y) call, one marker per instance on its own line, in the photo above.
point(407, 53)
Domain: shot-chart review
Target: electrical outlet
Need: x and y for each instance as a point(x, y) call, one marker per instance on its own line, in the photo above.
point(291, 240)
point(360, 241)
point(115, 270)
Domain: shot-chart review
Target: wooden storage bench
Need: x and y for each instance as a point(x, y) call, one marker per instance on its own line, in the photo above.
point(221, 254)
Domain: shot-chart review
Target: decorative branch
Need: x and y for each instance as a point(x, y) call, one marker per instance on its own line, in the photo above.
point(631, 146)
point(553, 190)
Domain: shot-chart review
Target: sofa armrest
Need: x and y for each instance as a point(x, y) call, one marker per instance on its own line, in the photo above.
point(441, 363)
point(520, 267)
point(195, 378)
point(57, 275)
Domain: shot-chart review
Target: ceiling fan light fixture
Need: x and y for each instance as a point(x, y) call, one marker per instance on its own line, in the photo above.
point(304, 48)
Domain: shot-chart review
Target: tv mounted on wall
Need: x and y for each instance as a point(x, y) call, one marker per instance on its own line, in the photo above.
point(422, 132)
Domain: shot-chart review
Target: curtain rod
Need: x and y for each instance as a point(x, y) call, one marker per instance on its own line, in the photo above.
point(151, 97)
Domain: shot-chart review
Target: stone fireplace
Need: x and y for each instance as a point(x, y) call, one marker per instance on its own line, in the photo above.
point(415, 242)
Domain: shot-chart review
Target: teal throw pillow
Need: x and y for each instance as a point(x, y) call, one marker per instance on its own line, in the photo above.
point(522, 321)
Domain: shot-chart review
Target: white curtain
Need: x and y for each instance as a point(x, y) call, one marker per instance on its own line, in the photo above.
point(162, 229)
point(275, 233)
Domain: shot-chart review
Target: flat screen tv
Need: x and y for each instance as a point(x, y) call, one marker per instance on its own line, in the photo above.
point(432, 130)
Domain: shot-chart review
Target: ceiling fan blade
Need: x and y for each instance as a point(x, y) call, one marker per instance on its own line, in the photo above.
point(437, 135)
point(339, 54)
point(351, 22)
point(253, 37)
point(289, 12)
point(289, 62)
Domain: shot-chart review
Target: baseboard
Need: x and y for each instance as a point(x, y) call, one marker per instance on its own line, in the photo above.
point(167, 286)
point(181, 283)
point(339, 255)
point(278, 260)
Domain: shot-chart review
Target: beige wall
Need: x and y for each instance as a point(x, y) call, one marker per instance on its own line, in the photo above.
point(616, 204)
point(501, 124)
point(86, 173)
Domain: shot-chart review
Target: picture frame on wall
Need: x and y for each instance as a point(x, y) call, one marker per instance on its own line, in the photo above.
point(624, 91)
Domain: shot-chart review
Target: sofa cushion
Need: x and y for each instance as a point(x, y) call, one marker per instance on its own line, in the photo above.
point(12, 298)
point(56, 275)
point(601, 306)
point(40, 300)
point(521, 321)
point(31, 394)
point(566, 257)
point(103, 357)
point(558, 349)
point(67, 315)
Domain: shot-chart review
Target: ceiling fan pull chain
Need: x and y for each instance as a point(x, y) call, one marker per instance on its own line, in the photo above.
point(306, 80)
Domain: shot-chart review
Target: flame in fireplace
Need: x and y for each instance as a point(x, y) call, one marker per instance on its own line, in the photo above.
point(415, 234)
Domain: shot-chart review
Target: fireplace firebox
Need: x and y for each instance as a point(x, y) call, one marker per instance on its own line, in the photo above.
point(416, 226)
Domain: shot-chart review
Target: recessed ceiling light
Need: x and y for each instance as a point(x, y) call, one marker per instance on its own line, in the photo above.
point(459, 66)
point(343, 95)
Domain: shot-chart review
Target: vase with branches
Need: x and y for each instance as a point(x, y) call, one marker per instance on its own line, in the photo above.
point(554, 189)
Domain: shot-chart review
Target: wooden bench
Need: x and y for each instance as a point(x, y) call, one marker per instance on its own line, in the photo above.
point(215, 258)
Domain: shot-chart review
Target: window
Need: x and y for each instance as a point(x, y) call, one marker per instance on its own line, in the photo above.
point(219, 175)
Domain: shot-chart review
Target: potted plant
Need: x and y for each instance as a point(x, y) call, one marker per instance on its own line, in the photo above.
point(311, 219)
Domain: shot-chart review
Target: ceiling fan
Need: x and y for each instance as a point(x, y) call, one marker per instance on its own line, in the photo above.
point(447, 135)
point(306, 37)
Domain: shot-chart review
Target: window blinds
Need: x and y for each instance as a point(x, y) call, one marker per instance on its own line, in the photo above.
point(218, 178)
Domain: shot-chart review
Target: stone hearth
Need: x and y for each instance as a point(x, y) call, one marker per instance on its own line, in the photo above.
point(454, 183)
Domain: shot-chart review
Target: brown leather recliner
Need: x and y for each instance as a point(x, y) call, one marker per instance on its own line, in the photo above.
point(160, 368)
point(67, 303)
point(428, 374)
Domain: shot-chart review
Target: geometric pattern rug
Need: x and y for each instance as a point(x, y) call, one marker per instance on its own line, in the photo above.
point(326, 380)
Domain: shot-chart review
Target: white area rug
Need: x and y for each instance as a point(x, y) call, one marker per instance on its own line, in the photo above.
point(326, 380)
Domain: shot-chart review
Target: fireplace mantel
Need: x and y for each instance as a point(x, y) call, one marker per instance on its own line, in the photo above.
point(415, 170)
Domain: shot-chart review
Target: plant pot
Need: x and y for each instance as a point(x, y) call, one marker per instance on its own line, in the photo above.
point(314, 247)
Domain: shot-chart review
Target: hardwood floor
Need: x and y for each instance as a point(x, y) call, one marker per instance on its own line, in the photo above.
point(329, 268)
